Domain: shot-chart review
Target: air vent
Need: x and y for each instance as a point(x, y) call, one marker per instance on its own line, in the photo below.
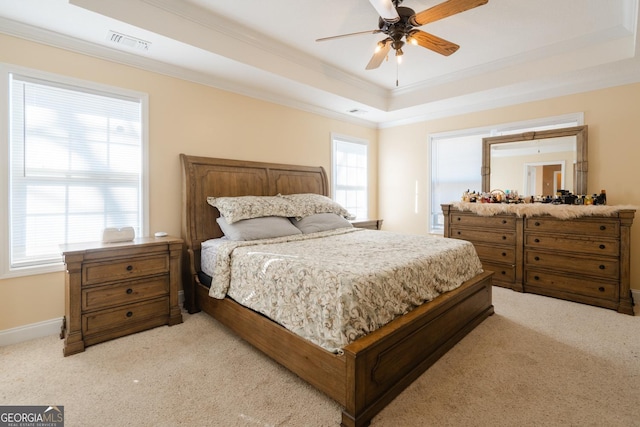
point(357, 111)
point(130, 42)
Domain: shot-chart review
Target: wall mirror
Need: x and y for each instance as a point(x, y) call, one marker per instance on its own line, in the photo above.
point(536, 163)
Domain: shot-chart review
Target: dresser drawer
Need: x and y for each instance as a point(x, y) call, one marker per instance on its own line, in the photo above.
point(472, 220)
point(571, 283)
point(601, 227)
point(581, 245)
point(484, 236)
point(113, 270)
point(122, 317)
point(608, 268)
point(126, 293)
point(496, 253)
point(503, 272)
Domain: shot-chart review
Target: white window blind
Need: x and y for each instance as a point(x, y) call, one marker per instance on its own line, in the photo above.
point(456, 164)
point(350, 177)
point(75, 167)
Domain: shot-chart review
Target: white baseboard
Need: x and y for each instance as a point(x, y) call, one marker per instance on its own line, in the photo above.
point(45, 328)
point(30, 332)
point(635, 293)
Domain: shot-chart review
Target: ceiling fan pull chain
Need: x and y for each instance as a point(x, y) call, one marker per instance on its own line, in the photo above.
point(397, 73)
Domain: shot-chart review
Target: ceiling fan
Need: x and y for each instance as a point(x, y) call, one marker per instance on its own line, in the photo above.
point(399, 24)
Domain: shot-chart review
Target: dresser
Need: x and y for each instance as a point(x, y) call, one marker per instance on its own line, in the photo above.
point(496, 239)
point(116, 289)
point(584, 259)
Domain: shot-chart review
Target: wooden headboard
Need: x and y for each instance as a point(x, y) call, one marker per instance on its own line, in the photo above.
point(203, 177)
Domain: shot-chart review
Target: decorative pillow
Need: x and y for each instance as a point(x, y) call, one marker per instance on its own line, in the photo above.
point(246, 207)
point(309, 204)
point(267, 227)
point(320, 222)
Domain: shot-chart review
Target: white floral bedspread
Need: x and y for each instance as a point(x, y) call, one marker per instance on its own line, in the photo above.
point(335, 286)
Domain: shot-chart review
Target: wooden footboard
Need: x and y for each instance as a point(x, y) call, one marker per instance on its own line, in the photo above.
point(382, 364)
point(376, 368)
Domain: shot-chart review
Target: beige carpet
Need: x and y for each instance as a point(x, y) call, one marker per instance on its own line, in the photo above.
point(537, 362)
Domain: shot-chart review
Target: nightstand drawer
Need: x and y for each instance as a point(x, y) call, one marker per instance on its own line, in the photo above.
point(98, 273)
point(121, 317)
point(126, 293)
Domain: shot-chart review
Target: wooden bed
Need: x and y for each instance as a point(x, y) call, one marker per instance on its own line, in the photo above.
point(375, 368)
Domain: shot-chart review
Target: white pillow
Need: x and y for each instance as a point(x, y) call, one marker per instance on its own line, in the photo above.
point(266, 227)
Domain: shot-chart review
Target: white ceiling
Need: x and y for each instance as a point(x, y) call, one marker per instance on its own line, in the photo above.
point(510, 51)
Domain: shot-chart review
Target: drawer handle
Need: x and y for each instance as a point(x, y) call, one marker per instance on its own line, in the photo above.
point(504, 237)
point(602, 246)
point(601, 288)
point(536, 240)
point(601, 267)
point(504, 221)
point(129, 291)
point(504, 254)
point(129, 267)
point(536, 277)
point(459, 219)
point(603, 227)
point(537, 258)
point(459, 233)
point(504, 273)
point(537, 224)
point(129, 313)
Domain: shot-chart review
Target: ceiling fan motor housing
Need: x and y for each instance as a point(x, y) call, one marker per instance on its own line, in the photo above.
point(398, 30)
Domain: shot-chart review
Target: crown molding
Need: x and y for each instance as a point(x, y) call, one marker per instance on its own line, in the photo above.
point(57, 40)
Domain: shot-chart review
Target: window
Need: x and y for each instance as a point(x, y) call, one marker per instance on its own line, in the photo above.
point(75, 158)
point(350, 178)
point(456, 160)
point(455, 167)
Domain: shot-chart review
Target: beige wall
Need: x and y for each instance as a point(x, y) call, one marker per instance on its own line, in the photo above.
point(614, 153)
point(184, 117)
point(200, 120)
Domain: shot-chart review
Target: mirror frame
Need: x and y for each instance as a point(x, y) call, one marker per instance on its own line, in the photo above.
point(582, 163)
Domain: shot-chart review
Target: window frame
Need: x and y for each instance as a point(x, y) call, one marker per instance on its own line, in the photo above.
point(491, 130)
point(6, 70)
point(335, 138)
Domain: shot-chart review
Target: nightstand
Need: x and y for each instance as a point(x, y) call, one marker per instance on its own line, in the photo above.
point(372, 224)
point(116, 289)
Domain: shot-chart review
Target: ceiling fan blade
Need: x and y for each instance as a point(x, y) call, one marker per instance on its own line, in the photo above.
point(379, 56)
point(433, 43)
point(443, 10)
point(348, 35)
point(386, 10)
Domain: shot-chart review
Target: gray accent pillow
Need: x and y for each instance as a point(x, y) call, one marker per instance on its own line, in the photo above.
point(266, 227)
point(320, 222)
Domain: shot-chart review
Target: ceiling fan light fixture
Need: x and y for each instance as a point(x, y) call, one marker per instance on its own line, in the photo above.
point(412, 40)
point(399, 54)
